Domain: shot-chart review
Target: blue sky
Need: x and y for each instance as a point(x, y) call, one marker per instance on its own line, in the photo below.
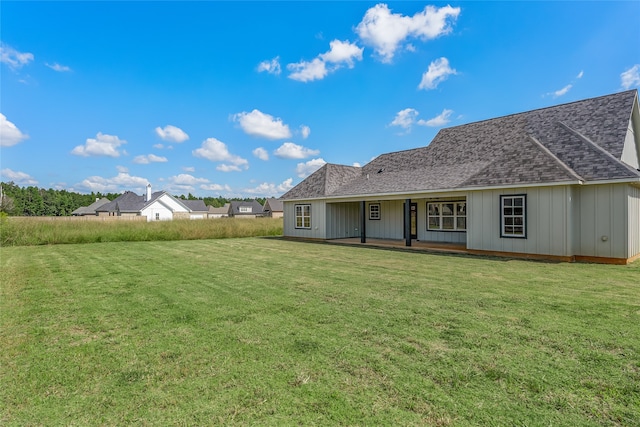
point(248, 98)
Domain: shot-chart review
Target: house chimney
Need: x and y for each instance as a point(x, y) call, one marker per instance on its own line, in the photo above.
point(148, 193)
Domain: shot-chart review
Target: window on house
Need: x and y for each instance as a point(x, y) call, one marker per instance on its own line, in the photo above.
point(303, 216)
point(446, 216)
point(245, 209)
point(157, 216)
point(513, 215)
point(374, 211)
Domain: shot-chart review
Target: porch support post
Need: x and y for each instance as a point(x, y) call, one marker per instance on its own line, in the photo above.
point(407, 222)
point(363, 223)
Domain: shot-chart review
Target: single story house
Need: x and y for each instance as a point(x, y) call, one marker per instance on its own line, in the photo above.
point(561, 182)
point(221, 212)
point(242, 209)
point(273, 208)
point(91, 209)
point(158, 206)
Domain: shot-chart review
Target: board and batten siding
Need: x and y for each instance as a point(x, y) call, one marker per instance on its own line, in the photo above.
point(343, 220)
point(603, 221)
point(391, 222)
point(439, 236)
point(634, 221)
point(548, 213)
point(318, 228)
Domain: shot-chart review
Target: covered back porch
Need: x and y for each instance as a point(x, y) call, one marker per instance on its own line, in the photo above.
point(438, 221)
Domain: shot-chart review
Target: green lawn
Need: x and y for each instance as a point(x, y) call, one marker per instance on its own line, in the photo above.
point(266, 331)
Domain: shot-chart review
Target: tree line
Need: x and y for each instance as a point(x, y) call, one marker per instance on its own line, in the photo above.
point(34, 201)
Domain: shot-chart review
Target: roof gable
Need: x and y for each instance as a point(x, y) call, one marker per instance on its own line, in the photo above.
point(273, 205)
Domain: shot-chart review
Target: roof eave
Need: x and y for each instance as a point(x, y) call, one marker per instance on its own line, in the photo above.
point(405, 194)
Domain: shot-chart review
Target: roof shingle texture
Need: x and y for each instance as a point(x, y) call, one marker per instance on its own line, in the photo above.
point(581, 140)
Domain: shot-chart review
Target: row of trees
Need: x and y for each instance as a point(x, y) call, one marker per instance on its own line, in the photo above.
point(34, 201)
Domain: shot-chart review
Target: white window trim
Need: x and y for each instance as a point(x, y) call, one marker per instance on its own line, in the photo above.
point(302, 216)
point(523, 216)
point(455, 215)
point(374, 215)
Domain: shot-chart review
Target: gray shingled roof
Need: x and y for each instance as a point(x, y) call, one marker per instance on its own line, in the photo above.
point(274, 205)
point(195, 205)
point(256, 207)
point(579, 141)
point(91, 209)
point(130, 202)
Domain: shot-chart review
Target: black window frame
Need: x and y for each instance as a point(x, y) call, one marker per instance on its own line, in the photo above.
point(302, 216)
point(371, 217)
point(513, 216)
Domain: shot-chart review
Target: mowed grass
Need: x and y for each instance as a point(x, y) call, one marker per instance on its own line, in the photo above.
point(265, 331)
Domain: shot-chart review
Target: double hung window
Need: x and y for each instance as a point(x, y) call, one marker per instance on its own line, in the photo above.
point(374, 211)
point(303, 216)
point(513, 216)
point(446, 216)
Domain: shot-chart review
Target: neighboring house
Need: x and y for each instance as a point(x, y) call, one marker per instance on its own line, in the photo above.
point(273, 208)
point(221, 212)
point(240, 209)
point(198, 210)
point(91, 209)
point(158, 206)
point(561, 182)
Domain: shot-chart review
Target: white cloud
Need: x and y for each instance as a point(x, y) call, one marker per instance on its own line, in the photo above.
point(172, 134)
point(257, 123)
point(228, 168)
point(184, 183)
point(14, 59)
point(215, 187)
point(340, 53)
point(261, 153)
point(630, 77)
point(304, 71)
point(123, 181)
point(186, 179)
point(440, 120)
point(437, 72)
point(357, 164)
point(386, 31)
point(562, 91)
point(271, 67)
point(158, 146)
point(57, 67)
point(189, 169)
point(9, 133)
point(150, 158)
point(580, 74)
point(217, 151)
point(270, 189)
point(289, 150)
point(305, 131)
point(405, 118)
point(19, 178)
point(305, 169)
point(102, 145)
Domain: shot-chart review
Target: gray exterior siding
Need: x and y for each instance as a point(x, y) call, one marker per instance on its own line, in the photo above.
point(318, 228)
point(343, 220)
point(603, 218)
point(547, 218)
point(390, 224)
point(634, 221)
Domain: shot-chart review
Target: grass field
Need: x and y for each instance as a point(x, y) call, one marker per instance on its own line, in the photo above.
point(27, 231)
point(264, 331)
